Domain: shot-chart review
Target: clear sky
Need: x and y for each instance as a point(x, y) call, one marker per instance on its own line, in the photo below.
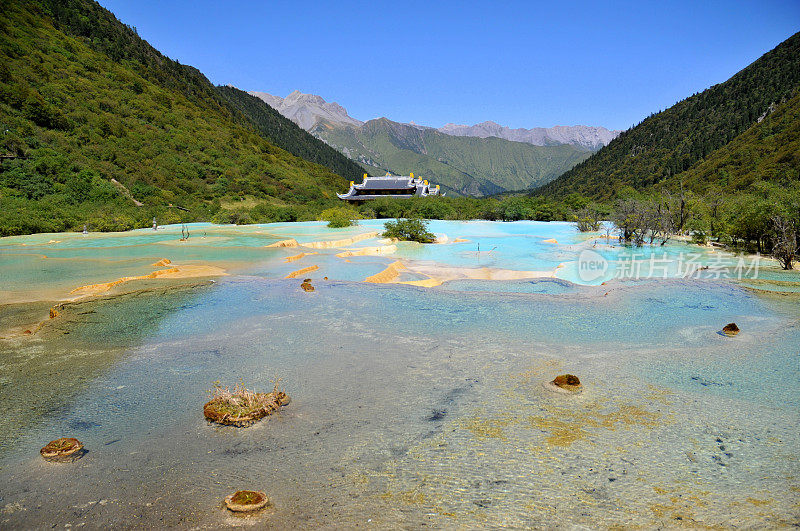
point(521, 64)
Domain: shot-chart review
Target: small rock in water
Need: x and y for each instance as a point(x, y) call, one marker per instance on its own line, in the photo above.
point(306, 285)
point(730, 329)
point(566, 380)
point(565, 383)
point(243, 501)
point(63, 450)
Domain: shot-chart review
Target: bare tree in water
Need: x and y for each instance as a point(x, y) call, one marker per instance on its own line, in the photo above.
point(641, 221)
point(661, 221)
point(628, 218)
point(715, 203)
point(785, 242)
point(678, 207)
point(587, 219)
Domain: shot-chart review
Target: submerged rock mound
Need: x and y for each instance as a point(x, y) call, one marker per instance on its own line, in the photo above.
point(565, 383)
point(306, 285)
point(63, 450)
point(730, 329)
point(242, 407)
point(243, 501)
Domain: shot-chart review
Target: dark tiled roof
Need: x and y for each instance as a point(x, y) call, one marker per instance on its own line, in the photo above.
point(386, 183)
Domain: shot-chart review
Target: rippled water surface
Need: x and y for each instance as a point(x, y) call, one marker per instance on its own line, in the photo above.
point(410, 406)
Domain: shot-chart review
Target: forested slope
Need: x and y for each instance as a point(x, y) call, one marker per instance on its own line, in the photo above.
point(85, 102)
point(460, 164)
point(285, 133)
point(672, 141)
point(768, 151)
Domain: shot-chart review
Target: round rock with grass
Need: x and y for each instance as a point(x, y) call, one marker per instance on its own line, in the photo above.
point(63, 450)
point(242, 407)
point(245, 501)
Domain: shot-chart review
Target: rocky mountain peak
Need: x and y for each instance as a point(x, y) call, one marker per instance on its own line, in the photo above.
point(308, 110)
point(311, 112)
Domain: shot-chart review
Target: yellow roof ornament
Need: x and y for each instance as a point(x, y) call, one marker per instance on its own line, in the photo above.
point(412, 174)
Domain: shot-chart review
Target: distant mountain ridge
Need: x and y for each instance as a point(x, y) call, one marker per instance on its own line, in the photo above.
point(480, 160)
point(462, 165)
point(586, 136)
point(310, 112)
point(286, 134)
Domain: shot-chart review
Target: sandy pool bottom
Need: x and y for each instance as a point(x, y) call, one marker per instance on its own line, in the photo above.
point(413, 407)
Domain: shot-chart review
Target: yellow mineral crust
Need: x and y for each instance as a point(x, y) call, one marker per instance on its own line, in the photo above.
point(388, 275)
point(378, 250)
point(445, 273)
point(291, 242)
point(340, 243)
point(298, 256)
point(301, 272)
point(182, 271)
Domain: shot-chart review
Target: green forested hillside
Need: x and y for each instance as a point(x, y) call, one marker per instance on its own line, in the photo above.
point(768, 151)
point(286, 134)
point(671, 142)
point(462, 165)
point(85, 102)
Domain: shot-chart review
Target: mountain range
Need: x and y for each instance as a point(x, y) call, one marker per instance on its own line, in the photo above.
point(592, 138)
point(478, 160)
point(462, 165)
point(310, 111)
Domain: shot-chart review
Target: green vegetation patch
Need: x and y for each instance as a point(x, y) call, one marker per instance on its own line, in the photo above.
point(340, 217)
point(410, 230)
point(93, 120)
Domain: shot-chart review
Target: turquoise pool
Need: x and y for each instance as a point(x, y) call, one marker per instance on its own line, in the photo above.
point(410, 406)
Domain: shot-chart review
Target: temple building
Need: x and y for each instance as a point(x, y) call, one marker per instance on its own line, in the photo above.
point(398, 186)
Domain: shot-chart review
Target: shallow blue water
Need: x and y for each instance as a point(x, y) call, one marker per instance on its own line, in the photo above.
point(368, 366)
point(541, 286)
point(42, 265)
point(416, 407)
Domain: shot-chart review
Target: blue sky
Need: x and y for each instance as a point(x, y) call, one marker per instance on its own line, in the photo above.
point(521, 64)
